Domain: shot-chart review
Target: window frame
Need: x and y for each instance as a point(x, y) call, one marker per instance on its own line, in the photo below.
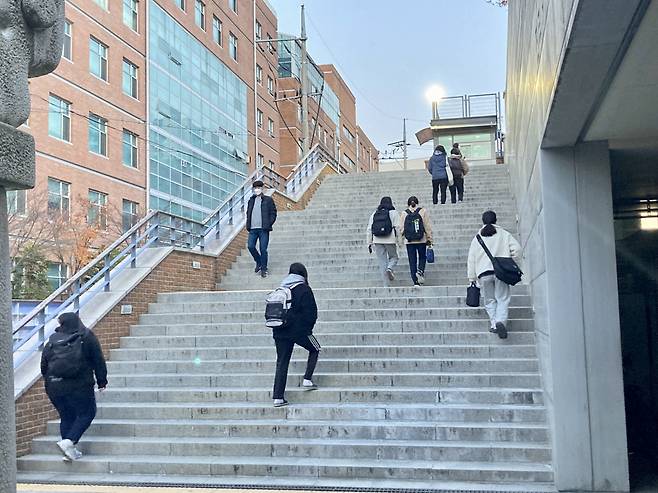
point(270, 85)
point(63, 198)
point(259, 118)
point(14, 198)
point(217, 30)
point(200, 14)
point(233, 46)
point(233, 5)
point(68, 40)
point(133, 143)
point(103, 59)
point(60, 278)
point(270, 127)
point(259, 74)
point(133, 215)
point(101, 206)
point(134, 83)
point(102, 134)
point(133, 6)
point(65, 118)
point(259, 30)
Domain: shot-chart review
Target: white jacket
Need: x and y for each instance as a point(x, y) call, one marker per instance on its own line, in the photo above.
point(385, 240)
point(502, 244)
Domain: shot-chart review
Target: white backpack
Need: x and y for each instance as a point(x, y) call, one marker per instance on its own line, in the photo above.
point(277, 304)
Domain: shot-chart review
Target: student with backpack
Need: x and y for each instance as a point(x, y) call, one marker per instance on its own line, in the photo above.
point(459, 169)
point(383, 233)
point(492, 258)
point(417, 236)
point(69, 362)
point(291, 312)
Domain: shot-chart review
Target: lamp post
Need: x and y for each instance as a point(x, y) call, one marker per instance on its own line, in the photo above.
point(434, 95)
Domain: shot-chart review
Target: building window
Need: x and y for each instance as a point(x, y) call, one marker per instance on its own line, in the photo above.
point(59, 118)
point(233, 46)
point(97, 134)
point(130, 10)
point(299, 112)
point(259, 74)
point(217, 30)
point(98, 58)
point(234, 5)
point(67, 52)
point(130, 214)
point(270, 127)
point(270, 45)
point(259, 30)
point(261, 161)
point(259, 118)
point(348, 135)
point(59, 197)
point(200, 14)
point(102, 3)
point(271, 164)
point(129, 79)
point(347, 161)
point(181, 4)
point(130, 149)
point(97, 212)
point(17, 202)
point(57, 274)
point(270, 85)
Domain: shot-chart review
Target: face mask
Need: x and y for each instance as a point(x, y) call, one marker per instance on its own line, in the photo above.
point(258, 191)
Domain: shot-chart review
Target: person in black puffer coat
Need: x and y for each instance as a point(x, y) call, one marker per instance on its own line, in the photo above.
point(70, 381)
point(298, 329)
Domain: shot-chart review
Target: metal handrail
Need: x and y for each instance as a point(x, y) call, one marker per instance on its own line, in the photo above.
point(182, 232)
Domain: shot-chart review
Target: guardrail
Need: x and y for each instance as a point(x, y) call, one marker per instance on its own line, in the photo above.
point(157, 228)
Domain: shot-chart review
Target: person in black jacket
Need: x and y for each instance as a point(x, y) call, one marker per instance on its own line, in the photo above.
point(261, 216)
point(297, 329)
point(73, 395)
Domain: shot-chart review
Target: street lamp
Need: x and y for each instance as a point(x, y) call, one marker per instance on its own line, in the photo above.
point(434, 95)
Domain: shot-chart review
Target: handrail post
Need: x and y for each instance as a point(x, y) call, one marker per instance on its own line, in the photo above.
point(133, 250)
point(76, 295)
point(41, 321)
point(230, 212)
point(107, 276)
point(156, 229)
point(218, 218)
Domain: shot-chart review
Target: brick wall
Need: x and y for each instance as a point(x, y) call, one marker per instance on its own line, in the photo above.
point(175, 273)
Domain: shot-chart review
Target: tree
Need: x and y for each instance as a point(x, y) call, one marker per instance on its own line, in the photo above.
point(498, 3)
point(30, 275)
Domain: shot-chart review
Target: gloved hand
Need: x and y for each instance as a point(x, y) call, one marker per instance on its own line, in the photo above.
point(370, 249)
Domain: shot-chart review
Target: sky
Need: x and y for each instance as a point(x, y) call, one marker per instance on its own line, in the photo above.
point(390, 51)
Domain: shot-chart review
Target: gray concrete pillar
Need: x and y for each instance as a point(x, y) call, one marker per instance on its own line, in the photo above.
point(589, 435)
point(7, 406)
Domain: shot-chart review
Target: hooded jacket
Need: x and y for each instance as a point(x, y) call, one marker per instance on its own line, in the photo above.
point(268, 212)
point(303, 312)
point(94, 363)
point(437, 166)
point(502, 244)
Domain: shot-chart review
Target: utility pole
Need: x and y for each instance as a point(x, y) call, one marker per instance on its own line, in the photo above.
point(305, 129)
point(404, 140)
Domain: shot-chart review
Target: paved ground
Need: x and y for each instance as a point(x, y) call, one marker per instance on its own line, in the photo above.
point(38, 488)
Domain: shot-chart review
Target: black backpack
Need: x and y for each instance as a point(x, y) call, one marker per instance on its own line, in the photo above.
point(381, 222)
point(67, 357)
point(414, 229)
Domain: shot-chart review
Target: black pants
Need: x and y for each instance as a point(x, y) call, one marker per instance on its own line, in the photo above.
point(417, 253)
point(436, 185)
point(284, 349)
point(457, 190)
point(76, 412)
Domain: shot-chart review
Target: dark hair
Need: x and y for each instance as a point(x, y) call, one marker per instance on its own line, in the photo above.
point(71, 322)
point(413, 201)
point(258, 183)
point(440, 148)
point(299, 269)
point(455, 145)
point(386, 203)
point(488, 219)
point(455, 151)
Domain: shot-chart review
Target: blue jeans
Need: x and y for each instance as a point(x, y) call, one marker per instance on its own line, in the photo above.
point(263, 238)
point(76, 412)
point(417, 253)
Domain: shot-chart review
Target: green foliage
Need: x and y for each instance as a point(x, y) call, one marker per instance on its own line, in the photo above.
point(30, 275)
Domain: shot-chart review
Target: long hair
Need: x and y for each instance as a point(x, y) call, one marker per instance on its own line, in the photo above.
point(386, 203)
point(299, 269)
point(488, 219)
point(413, 201)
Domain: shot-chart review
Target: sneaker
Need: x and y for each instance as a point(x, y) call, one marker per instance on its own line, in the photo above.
point(257, 269)
point(309, 385)
point(501, 330)
point(263, 272)
point(280, 402)
point(420, 275)
point(68, 449)
point(493, 330)
point(416, 285)
point(390, 274)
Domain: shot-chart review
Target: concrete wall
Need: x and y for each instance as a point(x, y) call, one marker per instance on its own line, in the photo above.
point(565, 223)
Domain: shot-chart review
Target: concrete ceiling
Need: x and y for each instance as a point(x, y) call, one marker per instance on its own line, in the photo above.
point(629, 110)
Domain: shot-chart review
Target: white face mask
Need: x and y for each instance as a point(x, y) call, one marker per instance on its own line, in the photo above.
point(258, 191)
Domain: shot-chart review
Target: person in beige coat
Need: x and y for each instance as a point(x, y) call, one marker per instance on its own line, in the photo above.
point(417, 233)
point(383, 240)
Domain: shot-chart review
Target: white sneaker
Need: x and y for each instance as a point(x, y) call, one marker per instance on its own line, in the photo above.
point(309, 385)
point(280, 402)
point(390, 274)
point(68, 449)
point(420, 275)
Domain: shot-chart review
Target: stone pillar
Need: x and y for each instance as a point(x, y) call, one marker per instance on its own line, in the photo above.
point(589, 433)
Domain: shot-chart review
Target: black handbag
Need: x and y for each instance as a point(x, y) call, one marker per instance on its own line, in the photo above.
point(473, 296)
point(505, 268)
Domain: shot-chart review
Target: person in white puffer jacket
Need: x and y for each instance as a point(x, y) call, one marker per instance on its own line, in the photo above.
point(496, 293)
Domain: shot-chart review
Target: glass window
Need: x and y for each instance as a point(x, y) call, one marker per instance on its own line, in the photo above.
point(17, 202)
point(130, 148)
point(130, 79)
point(130, 10)
point(259, 118)
point(98, 58)
point(102, 3)
point(97, 134)
point(200, 14)
point(259, 74)
point(67, 52)
point(261, 160)
point(130, 214)
point(181, 4)
point(234, 5)
point(259, 30)
point(59, 196)
point(271, 164)
point(233, 46)
point(348, 135)
point(57, 274)
point(270, 85)
point(270, 126)
point(59, 118)
point(97, 212)
point(217, 30)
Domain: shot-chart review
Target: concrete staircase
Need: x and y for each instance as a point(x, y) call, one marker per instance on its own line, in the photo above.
point(415, 393)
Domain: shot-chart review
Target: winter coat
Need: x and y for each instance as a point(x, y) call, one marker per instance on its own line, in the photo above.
point(303, 312)
point(268, 211)
point(457, 166)
point(385, 240)
point(437, 166)
point(502, 244)
point(427, 224)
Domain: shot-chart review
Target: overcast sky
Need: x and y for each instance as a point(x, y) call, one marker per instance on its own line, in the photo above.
point(390, 51)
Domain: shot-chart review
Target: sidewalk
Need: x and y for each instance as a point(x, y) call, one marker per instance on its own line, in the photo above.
point(48, 488)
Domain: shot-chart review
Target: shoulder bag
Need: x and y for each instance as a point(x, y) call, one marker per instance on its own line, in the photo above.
point(505, 268)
